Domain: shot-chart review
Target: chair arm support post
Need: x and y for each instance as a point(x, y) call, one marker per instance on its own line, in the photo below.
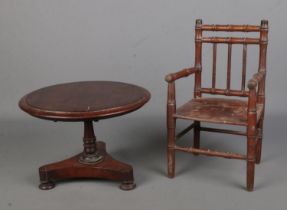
point(252, 109)
point(253, 84)
point(252, 118)
point(171, 102)
point(183, 73)
point(256, 79)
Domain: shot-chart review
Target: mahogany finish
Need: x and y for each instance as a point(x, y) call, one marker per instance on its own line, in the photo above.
point(248, 113)
point(86, 101)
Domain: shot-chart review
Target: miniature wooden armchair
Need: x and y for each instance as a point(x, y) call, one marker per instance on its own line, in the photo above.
point(225, 110)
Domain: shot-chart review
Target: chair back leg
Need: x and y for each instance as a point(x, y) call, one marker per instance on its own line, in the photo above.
point(196, 136)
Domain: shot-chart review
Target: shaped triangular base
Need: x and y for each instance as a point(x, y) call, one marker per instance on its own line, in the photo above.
point(107, 168)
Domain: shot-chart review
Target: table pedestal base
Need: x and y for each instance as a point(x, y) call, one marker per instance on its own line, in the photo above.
point(72, 168)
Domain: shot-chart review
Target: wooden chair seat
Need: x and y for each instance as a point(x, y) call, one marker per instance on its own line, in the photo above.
point(217, 110)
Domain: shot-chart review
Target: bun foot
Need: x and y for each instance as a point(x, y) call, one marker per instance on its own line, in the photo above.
point(127, 185)
point(47, 185)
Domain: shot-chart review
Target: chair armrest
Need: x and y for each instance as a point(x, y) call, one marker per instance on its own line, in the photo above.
point(256, 79)
point(183, 73)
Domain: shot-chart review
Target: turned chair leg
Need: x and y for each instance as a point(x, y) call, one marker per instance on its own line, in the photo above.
point(171, 124)
point(170, 149)
point(251, 144)
point(196, 136)
point(259, 141)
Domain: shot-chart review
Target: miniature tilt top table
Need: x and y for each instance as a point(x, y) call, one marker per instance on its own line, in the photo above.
point(85, 101)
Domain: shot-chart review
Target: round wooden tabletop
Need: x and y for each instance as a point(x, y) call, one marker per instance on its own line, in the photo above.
point(89, 100)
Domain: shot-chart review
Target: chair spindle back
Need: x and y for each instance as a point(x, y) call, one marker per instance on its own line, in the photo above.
point(244, 41)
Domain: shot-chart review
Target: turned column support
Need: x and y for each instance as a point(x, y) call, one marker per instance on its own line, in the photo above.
point(90, 154)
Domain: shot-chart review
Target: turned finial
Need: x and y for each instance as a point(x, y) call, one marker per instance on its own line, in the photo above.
point(198, 22)
point(264, 24)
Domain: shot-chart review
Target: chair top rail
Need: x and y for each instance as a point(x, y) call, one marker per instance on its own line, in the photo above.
point(234, 28)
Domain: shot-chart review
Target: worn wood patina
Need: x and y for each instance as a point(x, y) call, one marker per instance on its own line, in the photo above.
point(240, 112)
point(86, 101)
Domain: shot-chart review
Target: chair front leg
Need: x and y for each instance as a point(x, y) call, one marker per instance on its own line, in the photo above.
point(171, 125)
point(251, 139)
point(259, 141)
point(251, 145)
point(170, 149)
